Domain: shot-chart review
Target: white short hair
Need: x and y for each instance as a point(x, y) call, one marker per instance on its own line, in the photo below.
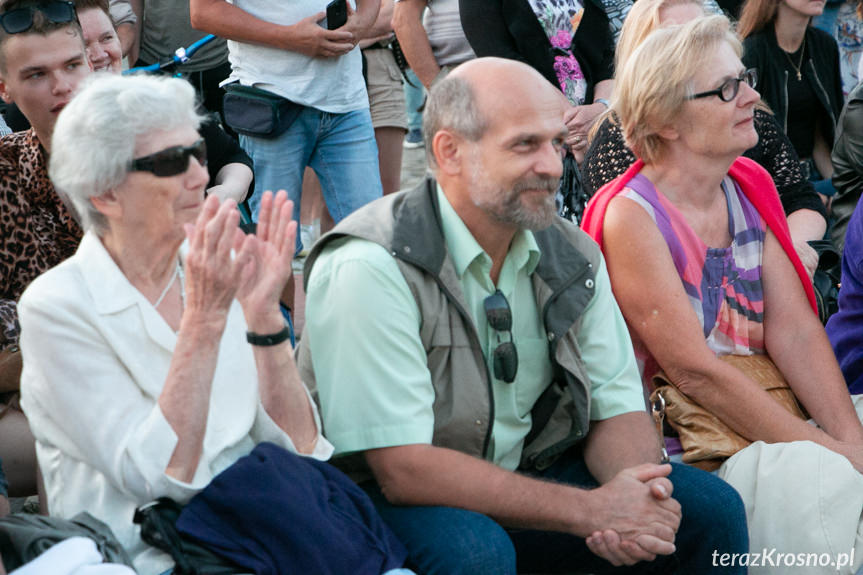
point(94, 138)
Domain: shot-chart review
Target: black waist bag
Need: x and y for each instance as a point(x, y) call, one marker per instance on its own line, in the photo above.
point(158, 528)
point(255, 112)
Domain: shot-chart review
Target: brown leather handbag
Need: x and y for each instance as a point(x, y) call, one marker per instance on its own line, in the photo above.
point(705, 439)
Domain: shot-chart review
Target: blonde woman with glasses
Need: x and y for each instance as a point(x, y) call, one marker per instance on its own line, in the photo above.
point(705, 273)
point(608, 156)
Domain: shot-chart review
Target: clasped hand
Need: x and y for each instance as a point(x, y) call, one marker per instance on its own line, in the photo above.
point(223, 263)
point(637, 517)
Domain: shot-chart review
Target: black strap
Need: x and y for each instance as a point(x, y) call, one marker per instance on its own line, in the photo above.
point(157, 520)
point(269, 339)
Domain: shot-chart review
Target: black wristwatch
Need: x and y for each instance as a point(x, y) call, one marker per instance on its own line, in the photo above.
point(269, 339)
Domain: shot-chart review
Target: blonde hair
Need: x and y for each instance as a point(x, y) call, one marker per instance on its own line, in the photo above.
point(643, 18)
point(656, 80)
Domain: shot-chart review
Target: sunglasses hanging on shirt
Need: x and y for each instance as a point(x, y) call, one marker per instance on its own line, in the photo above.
point(499, 316)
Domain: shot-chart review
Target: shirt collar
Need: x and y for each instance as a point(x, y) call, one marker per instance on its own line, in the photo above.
point(465, 250)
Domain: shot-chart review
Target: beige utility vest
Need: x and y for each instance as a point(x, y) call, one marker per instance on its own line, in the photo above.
point(407, 224)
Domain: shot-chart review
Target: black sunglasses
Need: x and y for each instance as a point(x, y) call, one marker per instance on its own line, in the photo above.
point(21, 19)
point(499, 316)
point(171, 161)
point(729, 88)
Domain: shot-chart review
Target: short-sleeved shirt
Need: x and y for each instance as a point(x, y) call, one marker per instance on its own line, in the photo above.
point(371, 367)
point(334, 85)
point(168, 26)
point(442, 23)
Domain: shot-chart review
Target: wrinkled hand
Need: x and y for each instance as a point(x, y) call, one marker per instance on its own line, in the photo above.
point(638, 519)
point(274, 243)
point(609, 545)
point(807, 255)
point(579, 120)
point(318, 42)
point(213, 275)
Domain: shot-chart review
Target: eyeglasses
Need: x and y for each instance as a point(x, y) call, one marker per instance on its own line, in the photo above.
point(499, 316)
point(729, 88)
point(171, 161)
point(21, 19)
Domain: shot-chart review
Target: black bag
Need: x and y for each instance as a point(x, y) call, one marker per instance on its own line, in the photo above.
point(574, 197)
point(255, 112)
point(401, 61)
point(827, 278)
point(158, 528)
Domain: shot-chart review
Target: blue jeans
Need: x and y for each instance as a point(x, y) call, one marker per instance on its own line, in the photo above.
point(445, 540)
point(340, 148)
point(4, 486)
point(414, 96)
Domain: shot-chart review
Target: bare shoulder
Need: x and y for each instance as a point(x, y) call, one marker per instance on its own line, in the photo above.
point(628, 225)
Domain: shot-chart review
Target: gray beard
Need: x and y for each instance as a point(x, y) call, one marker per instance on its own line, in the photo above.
point(506, 206)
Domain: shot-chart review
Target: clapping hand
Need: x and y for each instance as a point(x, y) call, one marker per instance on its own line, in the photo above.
point(213, 273)
point(273, 250)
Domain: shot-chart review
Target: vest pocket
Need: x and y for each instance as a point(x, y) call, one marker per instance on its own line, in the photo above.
point(534, 373)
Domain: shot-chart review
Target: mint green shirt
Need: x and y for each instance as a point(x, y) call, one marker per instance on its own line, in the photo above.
point(374, 384)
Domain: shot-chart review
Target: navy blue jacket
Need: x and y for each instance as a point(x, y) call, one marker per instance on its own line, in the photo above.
point(276, 513)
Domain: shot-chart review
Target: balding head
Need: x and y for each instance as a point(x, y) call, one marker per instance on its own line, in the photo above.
point(477, 93)
point(494, 131)
point(493, 78)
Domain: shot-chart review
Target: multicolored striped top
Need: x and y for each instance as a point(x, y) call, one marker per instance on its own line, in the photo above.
point(723, 284)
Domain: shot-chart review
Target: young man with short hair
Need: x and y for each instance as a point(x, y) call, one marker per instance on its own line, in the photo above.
point(42, 60)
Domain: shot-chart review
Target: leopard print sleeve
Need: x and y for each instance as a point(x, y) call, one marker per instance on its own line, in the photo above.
point(36, 230)
point(8, 245)
point(9, 328)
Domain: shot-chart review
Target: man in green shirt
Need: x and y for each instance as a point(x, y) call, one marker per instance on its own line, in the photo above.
point(465, 342)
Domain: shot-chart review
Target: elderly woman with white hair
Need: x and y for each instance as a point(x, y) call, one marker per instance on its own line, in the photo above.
point(704, 269)
point(157, 355)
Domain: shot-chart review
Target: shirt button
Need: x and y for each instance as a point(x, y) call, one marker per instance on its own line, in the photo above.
point(407, 249)
point(479, 422)
point(589, 284)
point(551, 336)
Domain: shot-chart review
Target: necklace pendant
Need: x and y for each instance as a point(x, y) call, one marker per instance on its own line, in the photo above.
point(799, 76)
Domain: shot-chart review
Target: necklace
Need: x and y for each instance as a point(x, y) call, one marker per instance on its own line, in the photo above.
point(178, 271)
point(182, 285)
point(799, 65)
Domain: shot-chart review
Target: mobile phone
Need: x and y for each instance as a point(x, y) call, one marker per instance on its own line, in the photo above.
point(337, 14)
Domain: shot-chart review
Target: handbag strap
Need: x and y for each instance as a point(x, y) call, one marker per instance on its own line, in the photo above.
point(157, 520)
